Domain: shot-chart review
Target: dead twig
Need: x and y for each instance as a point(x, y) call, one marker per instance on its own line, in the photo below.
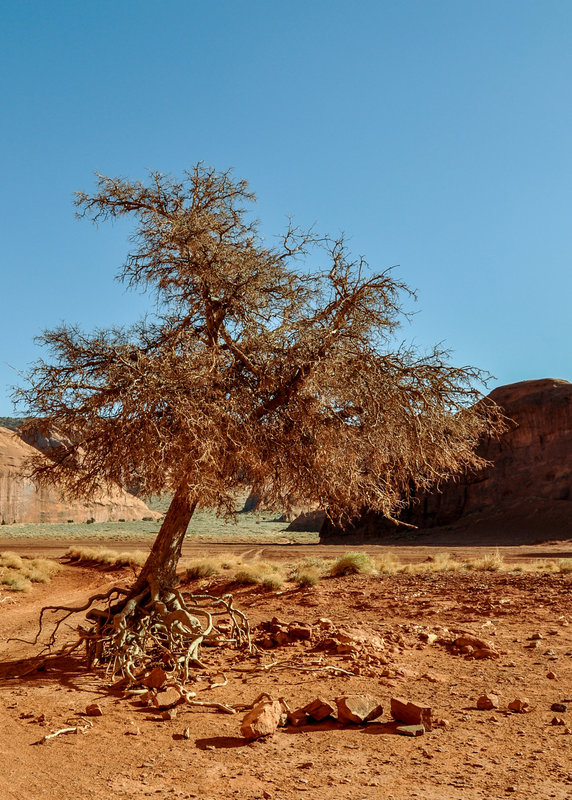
point(62, 731)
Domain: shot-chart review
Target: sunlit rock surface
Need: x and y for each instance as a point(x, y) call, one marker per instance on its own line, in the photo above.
point(22, 501)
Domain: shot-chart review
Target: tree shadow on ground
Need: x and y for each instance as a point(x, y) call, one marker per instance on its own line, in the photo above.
point(217, 742)
point(331, 724)
point(382, 728)
point(61, 670)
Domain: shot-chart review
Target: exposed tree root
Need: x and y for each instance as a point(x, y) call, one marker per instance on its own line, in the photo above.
point(132, 634)
point(298, 666)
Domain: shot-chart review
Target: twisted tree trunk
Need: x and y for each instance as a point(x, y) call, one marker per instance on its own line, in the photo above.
point(161, 565)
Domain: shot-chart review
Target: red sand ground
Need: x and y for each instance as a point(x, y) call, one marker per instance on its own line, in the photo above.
point(477, 754)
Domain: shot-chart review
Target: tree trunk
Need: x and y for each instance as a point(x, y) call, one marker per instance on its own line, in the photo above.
point(161, 564)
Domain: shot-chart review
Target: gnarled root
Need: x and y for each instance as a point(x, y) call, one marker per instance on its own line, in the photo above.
point(134, 633)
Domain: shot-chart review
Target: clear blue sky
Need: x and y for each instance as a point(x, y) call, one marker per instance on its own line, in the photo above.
point(437, 135)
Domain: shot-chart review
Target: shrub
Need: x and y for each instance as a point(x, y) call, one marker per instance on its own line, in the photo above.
point(444, 562)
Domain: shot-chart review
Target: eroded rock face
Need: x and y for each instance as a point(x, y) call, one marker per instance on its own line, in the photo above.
point(532, 460)
point(22, 501)
point(530, 473)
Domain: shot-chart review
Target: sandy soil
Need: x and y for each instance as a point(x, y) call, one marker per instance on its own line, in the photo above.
point(131, 753)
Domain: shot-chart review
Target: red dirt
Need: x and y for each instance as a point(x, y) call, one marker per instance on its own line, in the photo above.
point(478, 754)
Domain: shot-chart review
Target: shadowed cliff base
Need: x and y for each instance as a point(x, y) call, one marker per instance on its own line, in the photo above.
point(523, 496)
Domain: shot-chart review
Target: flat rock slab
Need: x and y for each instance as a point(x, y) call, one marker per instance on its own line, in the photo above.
point(358, 708)
point(411, 730)
point(167, 699)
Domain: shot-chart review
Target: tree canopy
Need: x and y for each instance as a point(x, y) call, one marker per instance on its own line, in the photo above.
point(269, 365)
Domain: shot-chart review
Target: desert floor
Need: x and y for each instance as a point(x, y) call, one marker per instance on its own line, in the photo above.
point(130, 752)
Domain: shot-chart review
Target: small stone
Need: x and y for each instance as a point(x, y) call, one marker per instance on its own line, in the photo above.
point(536, 636)
point(267, 795)
point(187, 733)
point(262, 720)
point(167, 699)
point(155, 679)
point(520, 705)
point(325, 623)
point(557, 721)
point(466, 640)
point(358, 708)
point(551, 676)
point(94, 710)
point(170, 713)
point(511, 788)
point(487, 702)
point(133, 732)
point(559, 707)
point(319, 709)
point(411, 730)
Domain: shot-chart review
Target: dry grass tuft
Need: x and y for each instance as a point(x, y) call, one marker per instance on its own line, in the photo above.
point(387, 564)
point(202, 568)
point(109, 558)
point(18, 573)
point(235, 569)
point(352, 564)
point(265, 573)
point(493, 562)
point(308, 571)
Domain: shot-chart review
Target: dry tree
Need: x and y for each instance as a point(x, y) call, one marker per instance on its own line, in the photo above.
point(274, 366)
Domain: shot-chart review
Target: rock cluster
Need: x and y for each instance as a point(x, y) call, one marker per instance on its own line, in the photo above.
point(268, 714)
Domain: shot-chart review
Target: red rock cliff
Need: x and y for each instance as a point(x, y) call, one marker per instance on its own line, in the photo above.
point(22, 501)
point(530, 472)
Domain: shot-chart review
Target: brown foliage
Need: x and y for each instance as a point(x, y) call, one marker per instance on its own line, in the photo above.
point(274, 366)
